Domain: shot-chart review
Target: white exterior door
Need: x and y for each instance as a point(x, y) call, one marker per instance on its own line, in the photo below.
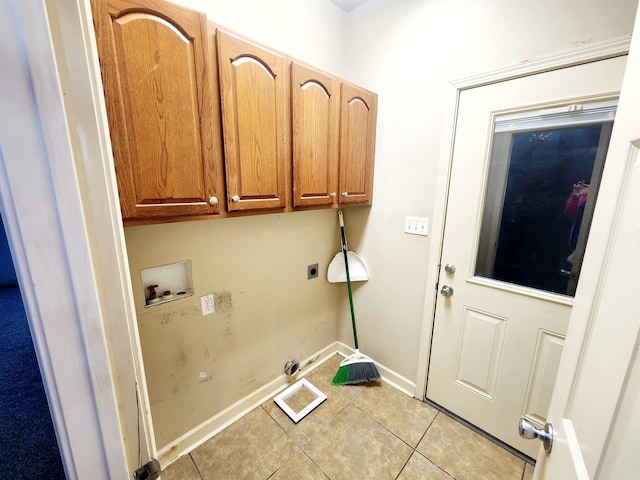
point(498, 337)
point(595, 409)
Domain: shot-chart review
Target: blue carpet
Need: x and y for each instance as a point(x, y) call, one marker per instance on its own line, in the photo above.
point(28, 447)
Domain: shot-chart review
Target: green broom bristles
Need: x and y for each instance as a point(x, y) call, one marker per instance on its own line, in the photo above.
point(354, 373)
point(342, 376)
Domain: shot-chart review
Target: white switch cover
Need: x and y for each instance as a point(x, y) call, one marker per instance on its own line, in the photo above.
point(207, 304)
point(416, 225)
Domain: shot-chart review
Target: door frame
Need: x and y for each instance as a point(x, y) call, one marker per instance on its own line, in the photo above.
point(595, 433)
point(56, 166)
point(600, 51)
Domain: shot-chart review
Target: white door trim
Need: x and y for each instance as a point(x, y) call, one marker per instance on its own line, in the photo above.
point(595, 401)
point(600, 51)
point(61, 211)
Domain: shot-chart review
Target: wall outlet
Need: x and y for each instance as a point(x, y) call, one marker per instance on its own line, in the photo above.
point(207, 304)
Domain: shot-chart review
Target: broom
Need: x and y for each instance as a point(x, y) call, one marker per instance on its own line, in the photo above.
point(356, 368)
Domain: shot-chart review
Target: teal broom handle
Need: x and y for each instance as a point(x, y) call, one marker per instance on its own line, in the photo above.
point(346, 267)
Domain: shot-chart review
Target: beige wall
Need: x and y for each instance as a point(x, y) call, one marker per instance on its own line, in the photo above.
point(268, 312)
point(311, 30)
point(405, 50)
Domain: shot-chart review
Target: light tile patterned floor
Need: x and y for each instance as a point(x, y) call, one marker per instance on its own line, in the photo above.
point(369, 431)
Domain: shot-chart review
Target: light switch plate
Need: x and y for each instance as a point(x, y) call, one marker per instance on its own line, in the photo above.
point(416, 225)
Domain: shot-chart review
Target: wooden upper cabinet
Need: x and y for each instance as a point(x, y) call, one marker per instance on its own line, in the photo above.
point(162, 107)
point(315, 121)
point(255, 104)
point(205, 122)
point(358, 112)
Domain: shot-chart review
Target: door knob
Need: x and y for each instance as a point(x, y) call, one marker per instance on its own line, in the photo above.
point(450, 268)
point(528, 430)
point(446, 291)
point(235, 199)
point(213, 201)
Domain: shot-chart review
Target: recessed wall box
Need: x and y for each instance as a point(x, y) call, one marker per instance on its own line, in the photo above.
point(167, 283)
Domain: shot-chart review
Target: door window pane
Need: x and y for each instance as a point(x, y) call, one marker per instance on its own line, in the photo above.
point(541, 190)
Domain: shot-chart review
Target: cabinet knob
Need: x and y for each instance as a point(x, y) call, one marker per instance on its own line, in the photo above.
point(333, 194)
point(213, 201)
point(235, 199)
point(345, 194)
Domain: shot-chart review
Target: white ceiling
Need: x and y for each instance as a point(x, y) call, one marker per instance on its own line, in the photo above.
point(348, 5)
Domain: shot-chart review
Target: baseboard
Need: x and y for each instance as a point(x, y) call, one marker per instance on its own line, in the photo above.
point(209, 428)
point(389, 376)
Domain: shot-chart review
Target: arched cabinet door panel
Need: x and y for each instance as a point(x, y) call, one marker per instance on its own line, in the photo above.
point(358, 111)
point(162, 108)
point(254, 97)
point(315, 124)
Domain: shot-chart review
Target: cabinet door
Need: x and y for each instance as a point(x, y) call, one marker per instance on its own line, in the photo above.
point(315, 120)
point(358, 110)
point(158, 92)
point(254, 93)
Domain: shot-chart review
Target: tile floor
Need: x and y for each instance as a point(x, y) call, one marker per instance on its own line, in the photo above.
point(369, 431)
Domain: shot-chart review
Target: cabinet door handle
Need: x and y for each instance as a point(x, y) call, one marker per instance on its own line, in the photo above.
point(345, 194)
point(333, 195)
point(235, 199)
point(213, 201)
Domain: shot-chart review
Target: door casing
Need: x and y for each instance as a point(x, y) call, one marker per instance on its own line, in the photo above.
point(71, 263)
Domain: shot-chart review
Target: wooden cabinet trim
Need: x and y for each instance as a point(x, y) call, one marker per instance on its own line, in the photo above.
point(359, 109)
point(295, 163)
point(168, 193)
point(315, 133)
point(254, 119)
